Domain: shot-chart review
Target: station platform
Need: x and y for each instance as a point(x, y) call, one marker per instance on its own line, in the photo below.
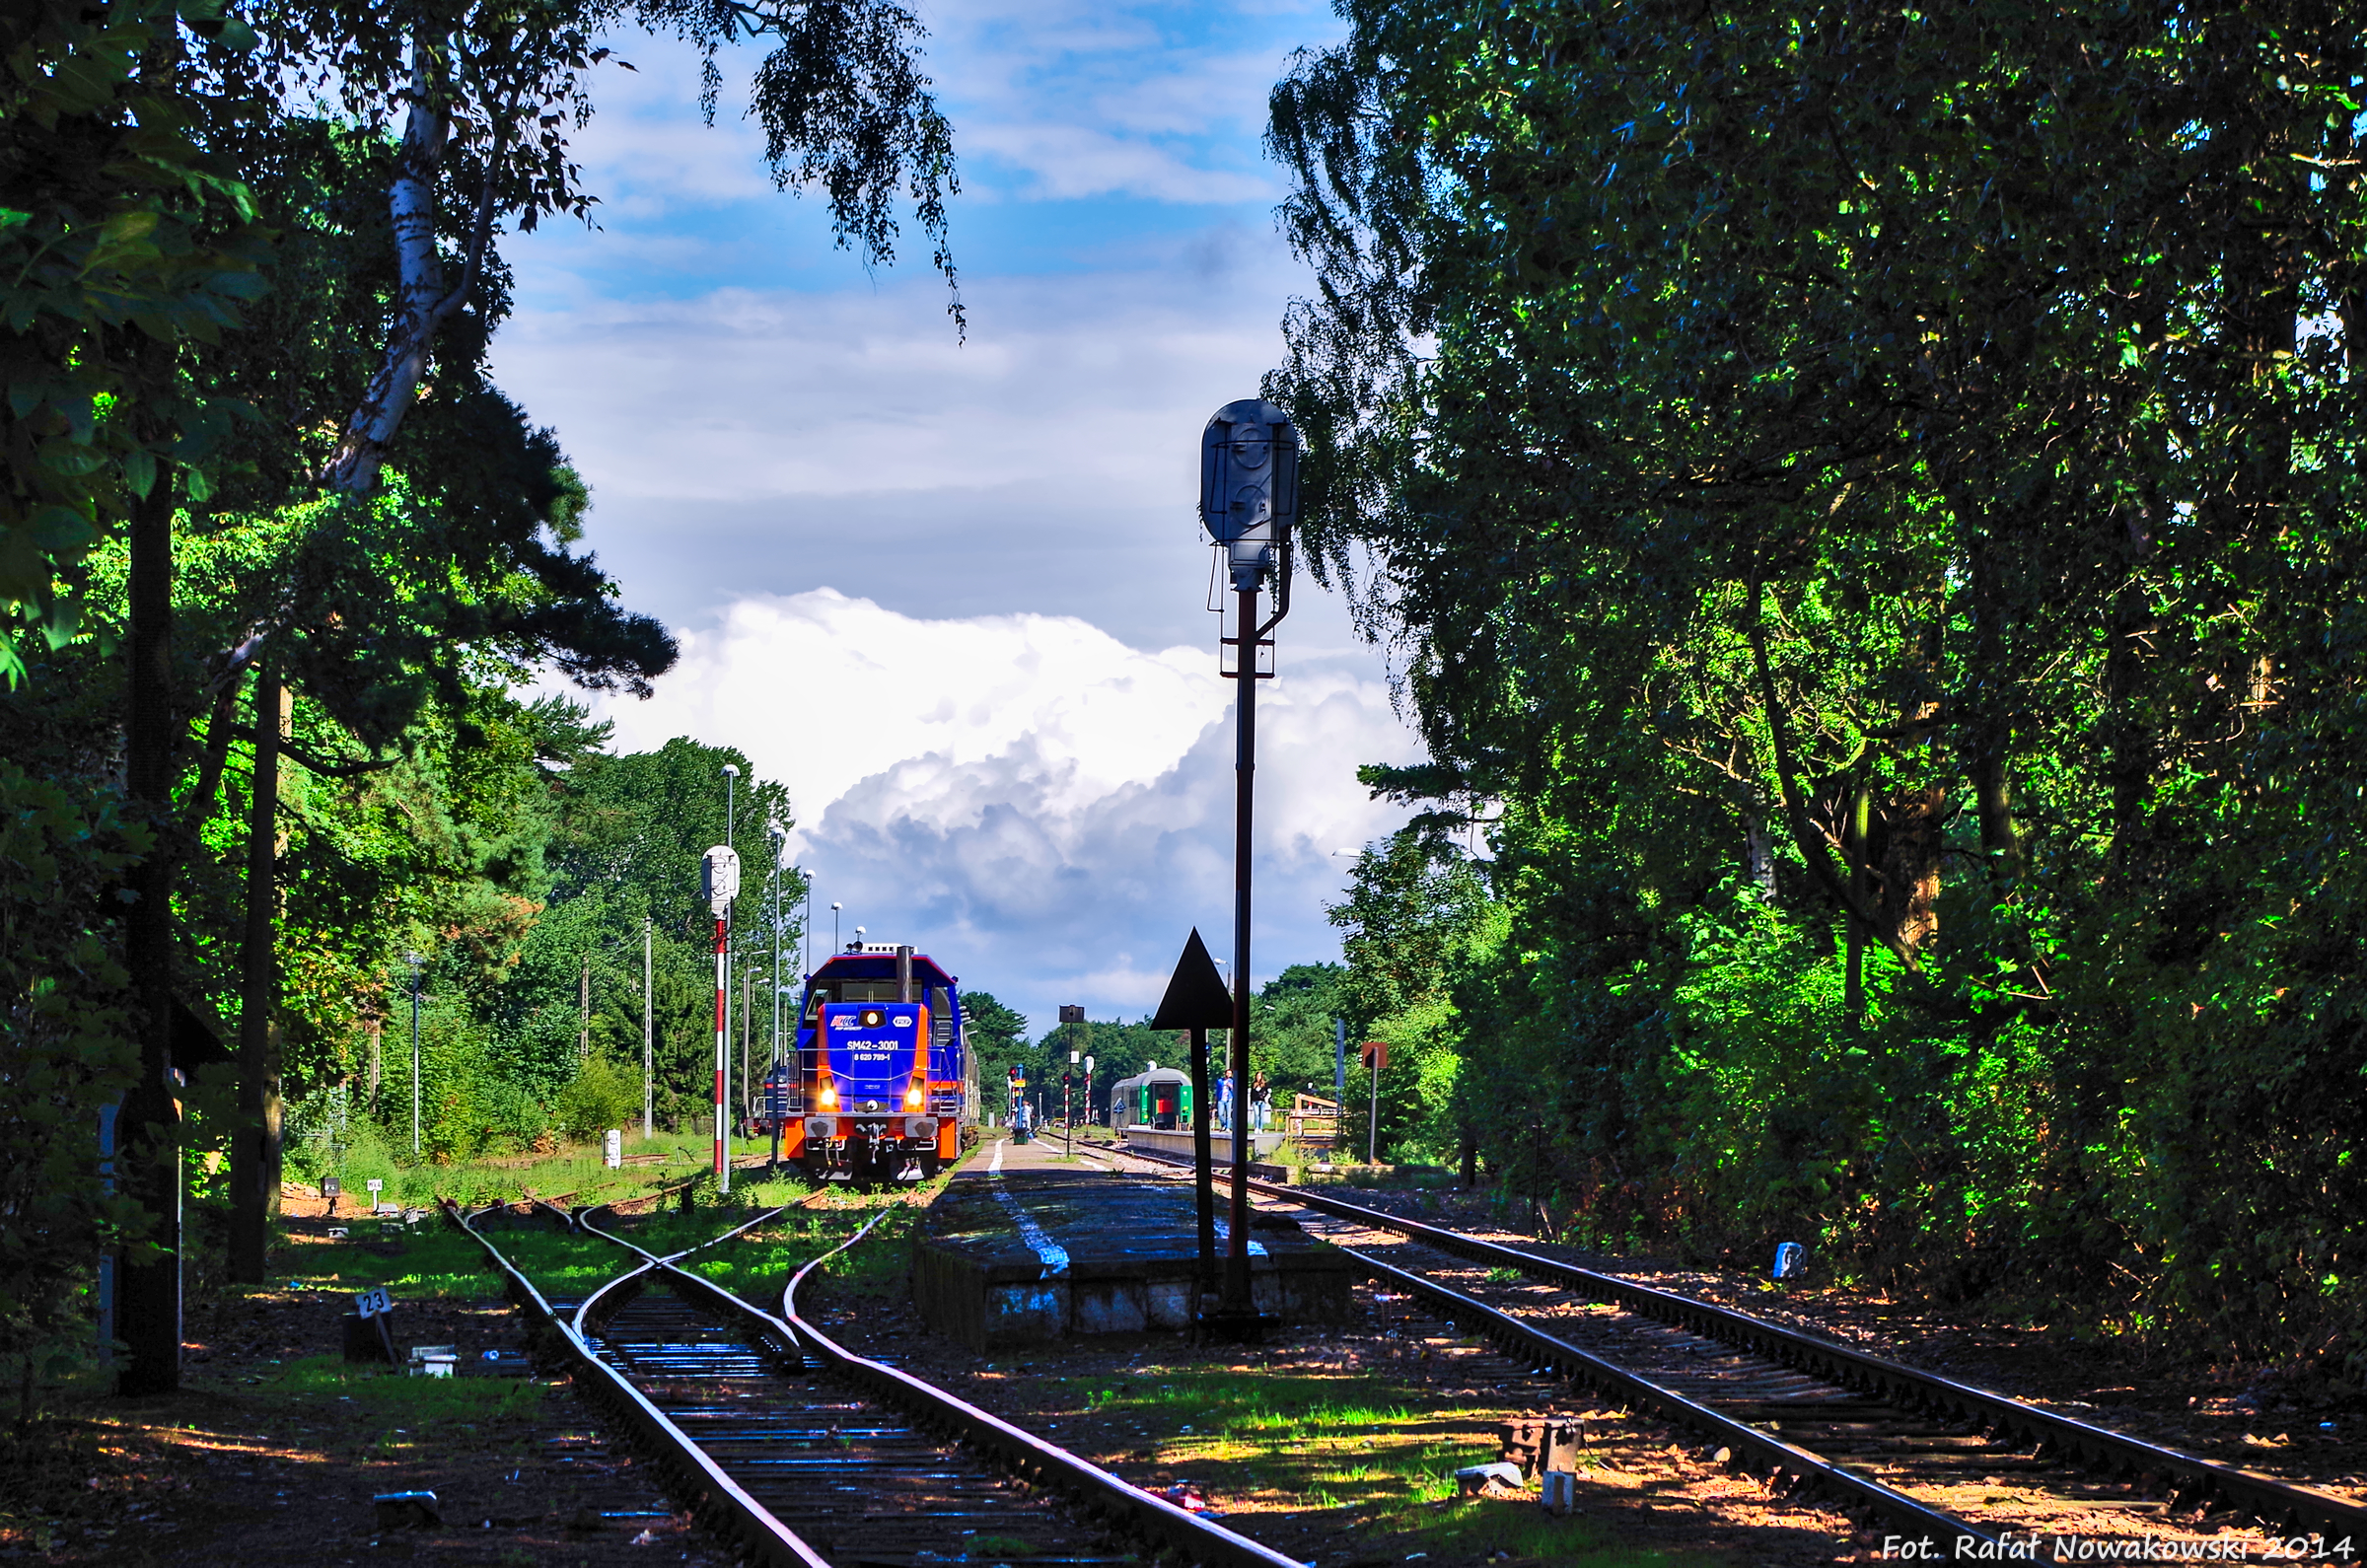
point(1178, 1146)
point(1024, 1247)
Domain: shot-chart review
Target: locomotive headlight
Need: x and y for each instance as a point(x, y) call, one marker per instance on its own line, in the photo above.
point(829, 1099)
point(912, 1099)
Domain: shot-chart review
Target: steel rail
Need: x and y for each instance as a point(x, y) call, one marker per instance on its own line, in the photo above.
point(1107, 1499)
point(1102, 1496)
point(728, 1511)
point(1113, 1500)
point(2284, 1505)
point(1789, 1469)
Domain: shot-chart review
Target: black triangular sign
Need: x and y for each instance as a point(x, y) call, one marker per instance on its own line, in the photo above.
point(1195, 994)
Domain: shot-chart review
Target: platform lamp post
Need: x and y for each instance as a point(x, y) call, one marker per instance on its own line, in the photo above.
point(1339, 1070)
point(1248, 500)
point(748, 1040)
point(1074, 1016)
point(719, 884)
point(836, 944)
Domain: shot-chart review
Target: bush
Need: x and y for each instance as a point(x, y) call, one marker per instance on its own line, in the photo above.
point(514, 1119)
point(602, 1096)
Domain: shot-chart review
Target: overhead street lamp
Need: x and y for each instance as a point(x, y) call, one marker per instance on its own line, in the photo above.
point(1249, 501)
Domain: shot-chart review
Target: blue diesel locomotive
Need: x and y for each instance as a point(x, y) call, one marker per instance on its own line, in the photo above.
point(883, 1087)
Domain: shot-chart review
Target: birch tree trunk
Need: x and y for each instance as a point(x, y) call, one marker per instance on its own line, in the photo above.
point(422, 305)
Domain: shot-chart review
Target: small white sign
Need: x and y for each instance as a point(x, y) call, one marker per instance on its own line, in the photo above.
point(612, 1149)
point(375, 1184)
point(373, 1303)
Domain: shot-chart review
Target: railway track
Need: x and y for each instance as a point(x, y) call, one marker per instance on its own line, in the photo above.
point(1971, 1472)
point(798, 1452)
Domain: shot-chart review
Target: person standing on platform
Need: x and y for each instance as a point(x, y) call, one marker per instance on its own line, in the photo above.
point(1261, 1105)
point(1224, 1103)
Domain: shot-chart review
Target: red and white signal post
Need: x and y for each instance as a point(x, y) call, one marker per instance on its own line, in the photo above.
point(719, 880)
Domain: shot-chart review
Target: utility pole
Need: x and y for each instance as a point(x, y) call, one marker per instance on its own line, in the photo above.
point(413, 958)
point(649, 1081)
point(583, 1013)
point(771, 1119)
point(777, 842)
point(1248, 500)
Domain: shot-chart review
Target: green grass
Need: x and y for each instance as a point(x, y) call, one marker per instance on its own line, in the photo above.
point(577, 1170)
point(999, 1547)
point(437, 1261)
point(577, 1173)
point(416, 1403)
point(1357, 1450)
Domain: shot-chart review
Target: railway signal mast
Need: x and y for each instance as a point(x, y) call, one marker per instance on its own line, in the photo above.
point(1249, 501)
point(719, 884)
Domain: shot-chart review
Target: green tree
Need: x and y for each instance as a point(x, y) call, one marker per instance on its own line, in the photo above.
point(1863, 505)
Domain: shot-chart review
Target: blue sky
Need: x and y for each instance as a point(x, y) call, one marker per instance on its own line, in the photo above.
point(953, 593)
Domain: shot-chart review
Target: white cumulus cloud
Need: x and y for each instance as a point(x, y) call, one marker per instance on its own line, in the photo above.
point(1044, 808)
